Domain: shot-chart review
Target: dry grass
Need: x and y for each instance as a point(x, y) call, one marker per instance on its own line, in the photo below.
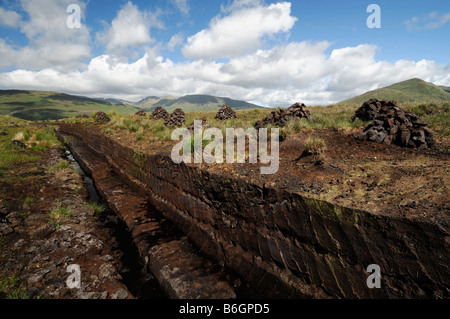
point(331, 117)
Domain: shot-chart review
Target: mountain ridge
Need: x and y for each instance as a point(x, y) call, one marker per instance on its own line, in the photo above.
point(414, 90)
point(51, 105)
point(193, 102)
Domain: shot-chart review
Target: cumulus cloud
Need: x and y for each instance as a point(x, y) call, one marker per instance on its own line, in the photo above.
point(298, 71)
point(58, 58)
point(51, 42)
point(239, 31)
point(130, 28)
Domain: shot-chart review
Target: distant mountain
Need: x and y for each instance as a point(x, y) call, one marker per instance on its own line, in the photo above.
point(150, 101)
point(116, 101)
point(192, 103)
point(43, 105)
point(409, 91)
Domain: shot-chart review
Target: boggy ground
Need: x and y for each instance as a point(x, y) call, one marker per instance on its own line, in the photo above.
point(378, 178)
point(404, 185)
point(374, 177)
point(46, 224)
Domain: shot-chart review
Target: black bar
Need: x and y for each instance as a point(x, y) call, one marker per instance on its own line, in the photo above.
point(260, 308)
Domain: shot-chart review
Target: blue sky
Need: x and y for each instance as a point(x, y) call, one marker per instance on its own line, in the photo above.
point(267, 52)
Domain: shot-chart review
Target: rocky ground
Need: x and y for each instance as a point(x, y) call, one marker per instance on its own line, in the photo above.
point(46, 225)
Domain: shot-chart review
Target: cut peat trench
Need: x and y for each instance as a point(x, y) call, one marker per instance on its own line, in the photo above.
point(287, 244)
point(139, 282)
point(152, 246)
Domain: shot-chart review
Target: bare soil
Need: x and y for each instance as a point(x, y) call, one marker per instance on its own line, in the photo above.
point(39, 249)
point(385, 179)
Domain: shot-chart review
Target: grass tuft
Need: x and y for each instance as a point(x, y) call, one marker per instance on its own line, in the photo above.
point(315, 146)
point(98, 208)
point(61, 165)
point(58, 213)
point(10, 287)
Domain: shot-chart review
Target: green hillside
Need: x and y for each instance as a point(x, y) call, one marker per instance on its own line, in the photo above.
point(445, 88)
point(194, 103)
point(410, 91)
point(43, 105)
point(150, 102)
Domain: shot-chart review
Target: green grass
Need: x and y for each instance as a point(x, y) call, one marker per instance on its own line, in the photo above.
point(194, 103)
point(76, 190)
point(61, 165)
point(29, 201)
point(37, 140)
point(315, 145)
point(98, 208)
point(142, 128)
point(331, 117)
point(58, 213)
point(436, 114)
point(10, 287)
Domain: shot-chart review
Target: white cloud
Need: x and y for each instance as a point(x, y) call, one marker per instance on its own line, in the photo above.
point(181, 5)
point(175, 41)
point(239, 4)
point(51, 42)
point(298, 71)
point(429, 21)
point(130, 28)
point(56, 58)
point(9, 18)
point(240, 31)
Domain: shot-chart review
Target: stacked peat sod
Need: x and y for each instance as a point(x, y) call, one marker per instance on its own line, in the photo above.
point(225, 113)
point(101, 117)
point(281, 116)
point(140, 113)
point(176, 118)
point(159, 113)
point(393, 125)
point(371, 109)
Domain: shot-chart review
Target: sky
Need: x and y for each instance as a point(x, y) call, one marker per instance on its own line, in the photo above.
point(268, 52)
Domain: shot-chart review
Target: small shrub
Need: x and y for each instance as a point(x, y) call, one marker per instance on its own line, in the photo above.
point(29, 201)
point(10, 287)
point(315, 146)
point(140, 134)
point(321, 159)
point(76, 190)
point(62, 164)
point(98, 208)
point(59, 213)
point(19, 136)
